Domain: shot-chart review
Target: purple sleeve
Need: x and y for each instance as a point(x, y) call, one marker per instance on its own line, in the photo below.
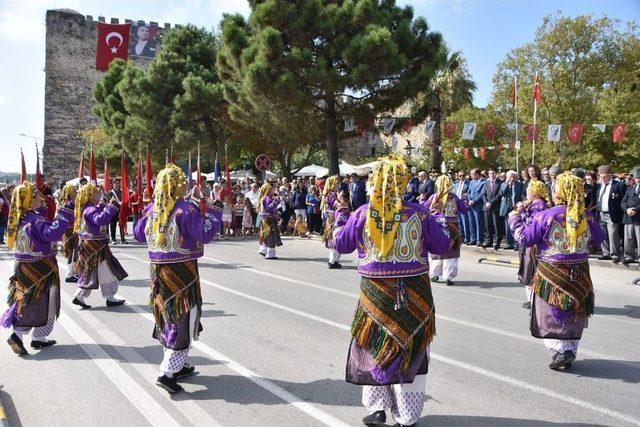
point(201, 228)
point(436, 234)
point(463, 208)
point(138, 230)
point(271, 206)
point(530, 234)
point(42, 210)
point(427, 203)
point(597, 235)
point(346, 240)
point(101, 216)
point(48, 231)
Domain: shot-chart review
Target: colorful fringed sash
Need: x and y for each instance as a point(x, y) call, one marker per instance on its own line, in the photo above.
point(329, 223)
point(454, 233)
point(69, 243)
point(91, 253)
point(30, 280)
point(175, 288)
point(566, 286)
point(268, 232)
point(394, 322)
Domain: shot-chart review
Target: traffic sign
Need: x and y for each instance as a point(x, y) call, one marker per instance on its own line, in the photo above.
point(263, 162)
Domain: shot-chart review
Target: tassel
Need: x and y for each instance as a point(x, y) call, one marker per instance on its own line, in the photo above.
point(6, 321)
point(401, 295)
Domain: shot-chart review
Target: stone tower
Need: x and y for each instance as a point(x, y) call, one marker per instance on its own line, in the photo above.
point(70, 77)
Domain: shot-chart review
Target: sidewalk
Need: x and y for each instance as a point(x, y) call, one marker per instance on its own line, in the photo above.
point(593, 260)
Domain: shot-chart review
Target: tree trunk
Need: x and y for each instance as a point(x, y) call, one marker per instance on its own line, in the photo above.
point(331, 136)
point(435, 159)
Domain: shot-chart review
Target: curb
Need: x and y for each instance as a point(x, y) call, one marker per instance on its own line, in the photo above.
point(3, 414)
point(492, 254)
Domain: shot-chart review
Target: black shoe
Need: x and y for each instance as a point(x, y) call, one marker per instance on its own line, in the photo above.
point(335, 266)
point(72, 279)
point(273, 257)
point(16, 345)
point(186, 371)
point(435, 279)
point(496, 248)
point(115, 303)
point(378, 417)
point(261, 254)
point(627, 261)
point(562, 360)
point(169, 384)
point(82, 305)
point(466, 242)
point(482, 245)
point(604, 258)
point(124, 242)
point(42, 344)
point(509, 247)
point(526, 305)
point(449, 283)
point(615, 259)
point(114, 242)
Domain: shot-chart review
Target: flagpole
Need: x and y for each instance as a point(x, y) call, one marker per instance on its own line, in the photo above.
point(535, 129)
point(515, 105)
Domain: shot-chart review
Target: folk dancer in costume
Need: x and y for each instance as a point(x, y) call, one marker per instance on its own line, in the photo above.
point(70, 238)
point(395, 318)
point(34, 288)
point(444, 201)
point(328, 208)
point(268, 232)
point(563, 291)
point(175, 231)
point(96, 266)
point(537, 201)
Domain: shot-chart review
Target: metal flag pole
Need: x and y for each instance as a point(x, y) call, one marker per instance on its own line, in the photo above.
point(535, 114)
point(515, 105)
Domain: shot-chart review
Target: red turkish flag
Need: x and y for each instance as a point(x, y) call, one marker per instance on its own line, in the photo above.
point(574, 135)
point(124, 203)
point(93, 174)
point(449, 129)
point(490, 131)
point(537, 92)
point(81, 166)
point(113, 42)
point(39, 178)
point(618, 132)
point(465, 153)
point(107, 177)
point(23, 173)
point(483, 153)
point(532, 132)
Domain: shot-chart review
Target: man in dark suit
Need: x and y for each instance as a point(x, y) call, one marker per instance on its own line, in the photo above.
point(460, 189)
point(631, 207)
point(554, 171)
point(610, 194)
point(476, 214)
point(358, 191)
point(426, 186)
point(491, 198)
point(511, 192)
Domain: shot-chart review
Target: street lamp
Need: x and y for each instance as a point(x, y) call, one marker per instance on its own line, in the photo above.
point(408, 149)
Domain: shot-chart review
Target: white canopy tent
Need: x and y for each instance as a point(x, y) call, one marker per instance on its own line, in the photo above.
point(344, 167)
point(366, 168)
point(237, 175)
point(311, 170)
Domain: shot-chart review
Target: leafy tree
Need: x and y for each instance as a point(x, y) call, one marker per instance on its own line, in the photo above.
point(332, 58)
point(588, 74)
point(451, 89)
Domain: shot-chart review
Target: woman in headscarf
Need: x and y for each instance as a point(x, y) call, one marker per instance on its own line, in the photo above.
point(448, 204)
point(175, 231)
point(268, 232)
point(395, 318)
point(328, 207)
point(96, 265)
point(563, 296)
point(34, 293)
point(70, 238)
point(537, 201)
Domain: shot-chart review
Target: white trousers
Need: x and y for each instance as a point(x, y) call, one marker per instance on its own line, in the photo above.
point(174, 360)
point(108, 283)
point(41, 333)
point(404, 400)
point(445, 268)
point(334, 256)
point(263, 249)
point(560, 346)
point(528, 292)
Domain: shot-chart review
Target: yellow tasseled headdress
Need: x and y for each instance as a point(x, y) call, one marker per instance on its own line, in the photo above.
point(390, 177)
point(264, 192)
point(84, 196)
point(443, 187)
point(170, 186)
point(68, 193)
point(330, 185)
point(21, 199)
point(570, 190)
point(537, 188)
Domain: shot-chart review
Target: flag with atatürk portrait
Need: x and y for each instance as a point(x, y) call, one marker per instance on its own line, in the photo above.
point(618, 132)
point(113, 42)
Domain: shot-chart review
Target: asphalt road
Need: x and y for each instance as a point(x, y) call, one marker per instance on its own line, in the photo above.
point(275, 340)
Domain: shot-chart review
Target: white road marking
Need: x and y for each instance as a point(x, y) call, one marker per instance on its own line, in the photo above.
point(188, 408)
point(440, 316)
point(459, 364)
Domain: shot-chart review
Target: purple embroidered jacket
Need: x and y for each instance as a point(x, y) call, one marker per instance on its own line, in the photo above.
point(546, 230)
point(269, 207)
point(418, 234)
point(36, 235)
point(535, 207)
point(330, 202)
point(187, 232)
point(452, 208)
point(95, 219)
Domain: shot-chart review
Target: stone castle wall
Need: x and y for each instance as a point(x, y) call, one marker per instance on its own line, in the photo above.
point(70, 76)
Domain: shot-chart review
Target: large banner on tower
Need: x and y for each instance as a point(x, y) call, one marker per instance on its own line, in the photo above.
point(144, 40)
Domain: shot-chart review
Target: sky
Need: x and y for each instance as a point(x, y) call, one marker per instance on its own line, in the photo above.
point(483, 30)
